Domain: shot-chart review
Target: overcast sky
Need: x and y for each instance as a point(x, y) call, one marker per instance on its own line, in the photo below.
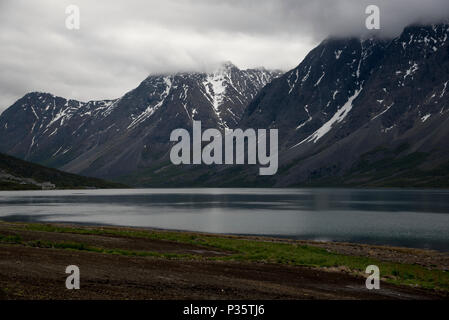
point(120, 42)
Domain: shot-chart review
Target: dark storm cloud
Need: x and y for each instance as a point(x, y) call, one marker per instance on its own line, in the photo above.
point(121, 42)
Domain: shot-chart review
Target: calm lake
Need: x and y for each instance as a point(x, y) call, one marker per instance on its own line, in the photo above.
point(411, 218)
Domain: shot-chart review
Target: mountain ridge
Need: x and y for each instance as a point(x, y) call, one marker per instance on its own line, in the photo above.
point(109, 138)
point(376, 117)
point(354, 112)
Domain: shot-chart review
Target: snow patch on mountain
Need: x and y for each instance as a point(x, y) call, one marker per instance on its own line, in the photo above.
point(216, 89)
point(380, 114)
point(307, 121)
point(424, 118)
point(151, 109)
point(338, 117)
point(292, 85)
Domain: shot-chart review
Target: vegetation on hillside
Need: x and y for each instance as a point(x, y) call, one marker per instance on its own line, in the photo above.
point(62, 180)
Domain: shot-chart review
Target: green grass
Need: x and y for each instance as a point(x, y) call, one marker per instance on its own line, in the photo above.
point(262, 251)
point(9, 185)
point(77, 246)
point(15, 239)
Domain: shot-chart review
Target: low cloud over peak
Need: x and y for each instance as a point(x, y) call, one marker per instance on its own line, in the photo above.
point(121, 42)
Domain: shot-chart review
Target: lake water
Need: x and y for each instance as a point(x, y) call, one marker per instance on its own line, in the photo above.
point(411, 218)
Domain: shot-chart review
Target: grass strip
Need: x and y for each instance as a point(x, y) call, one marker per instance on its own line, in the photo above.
point(78, 246)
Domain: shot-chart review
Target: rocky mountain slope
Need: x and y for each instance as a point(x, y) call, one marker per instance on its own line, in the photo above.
point(363, 112)
point(116, 137)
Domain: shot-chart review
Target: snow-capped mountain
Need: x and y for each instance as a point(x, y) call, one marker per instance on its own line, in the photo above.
point(355, 112)
point(114, 137)
point(363, 112)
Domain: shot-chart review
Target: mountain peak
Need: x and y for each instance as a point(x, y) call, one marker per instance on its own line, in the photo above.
point(226, 66)
point(39, 94)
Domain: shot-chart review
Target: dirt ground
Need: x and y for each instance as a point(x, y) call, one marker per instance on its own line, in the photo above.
point(39, 273)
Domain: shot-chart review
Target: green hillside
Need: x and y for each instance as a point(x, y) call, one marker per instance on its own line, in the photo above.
point(16, 174)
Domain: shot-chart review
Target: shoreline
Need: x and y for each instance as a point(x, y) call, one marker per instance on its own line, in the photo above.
point(279, 238)
point(141, 263)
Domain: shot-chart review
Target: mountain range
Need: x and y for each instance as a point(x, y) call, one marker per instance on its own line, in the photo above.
point(112, 138)
point(355, 112)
